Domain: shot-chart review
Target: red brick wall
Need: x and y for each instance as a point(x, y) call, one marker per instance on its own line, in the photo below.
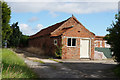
point(46, 44)
point(74, 52)
point(67, 52)
point(97, 43)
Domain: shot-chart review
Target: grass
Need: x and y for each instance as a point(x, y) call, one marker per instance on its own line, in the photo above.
point(117, 70)
point(14, 66)
point(56, 60)
point(39, 61)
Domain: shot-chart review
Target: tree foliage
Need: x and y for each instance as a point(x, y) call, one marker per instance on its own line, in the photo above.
point(113, 38)
point(58, 51)
point(10, 34)
point(15, 37)
point(6, 30)
point(24, 41)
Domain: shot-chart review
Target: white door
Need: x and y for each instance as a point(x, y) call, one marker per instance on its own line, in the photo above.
point(84, 48)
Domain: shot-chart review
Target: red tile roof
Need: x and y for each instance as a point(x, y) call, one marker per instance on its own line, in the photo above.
point(99, 37)
point(48, 30)
point(60, 32)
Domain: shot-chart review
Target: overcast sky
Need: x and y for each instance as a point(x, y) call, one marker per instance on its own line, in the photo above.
point(35, 15)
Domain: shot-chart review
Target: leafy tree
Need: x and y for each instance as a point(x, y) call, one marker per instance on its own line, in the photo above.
point(24, 41)
point(15, 37)
point(6, 30)
point(0, 25)
point(113, 38)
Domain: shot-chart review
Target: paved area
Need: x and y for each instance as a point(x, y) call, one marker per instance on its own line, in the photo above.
point(71, 68)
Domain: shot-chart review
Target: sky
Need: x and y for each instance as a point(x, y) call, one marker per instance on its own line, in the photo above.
point(36, 15)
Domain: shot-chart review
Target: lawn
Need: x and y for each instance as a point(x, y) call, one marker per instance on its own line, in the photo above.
point(14, 66)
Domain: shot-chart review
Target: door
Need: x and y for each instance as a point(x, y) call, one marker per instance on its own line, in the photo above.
point(84, 48)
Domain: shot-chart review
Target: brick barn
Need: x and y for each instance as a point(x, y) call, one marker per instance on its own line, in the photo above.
point(77, 41)
point(101, 42)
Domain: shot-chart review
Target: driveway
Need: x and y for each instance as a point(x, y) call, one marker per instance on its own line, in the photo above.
point(71, 68)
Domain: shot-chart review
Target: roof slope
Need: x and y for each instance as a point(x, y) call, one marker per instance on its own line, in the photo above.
point(99, 37)
point(48, 30)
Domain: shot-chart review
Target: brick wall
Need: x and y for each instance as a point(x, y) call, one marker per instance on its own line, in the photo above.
point(45, 43)
point(74, 52)
point(78, 30)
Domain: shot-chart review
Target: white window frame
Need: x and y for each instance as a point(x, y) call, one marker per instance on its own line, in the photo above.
point(55, 40)
point(71, 41)
point(101, 44)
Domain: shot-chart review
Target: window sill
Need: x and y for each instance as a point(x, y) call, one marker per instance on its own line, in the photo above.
point(71, 46)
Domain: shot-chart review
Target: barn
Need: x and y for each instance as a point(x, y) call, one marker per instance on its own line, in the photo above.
point(76, 41)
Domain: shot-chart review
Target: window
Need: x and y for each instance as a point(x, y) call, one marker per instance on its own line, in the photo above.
point(55, 41)
point(71, 42)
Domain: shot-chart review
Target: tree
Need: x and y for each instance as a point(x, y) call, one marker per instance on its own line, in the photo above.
point(15, 37)
point(0, 25)
point(113, 38)
point(6, 30)
point(24, 41)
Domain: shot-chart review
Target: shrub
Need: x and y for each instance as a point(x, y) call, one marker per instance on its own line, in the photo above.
point(113, 38)
point(58, 51)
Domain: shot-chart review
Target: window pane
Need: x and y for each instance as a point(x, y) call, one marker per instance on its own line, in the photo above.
point(73, 42)
point(69, 42)
point(55, 42)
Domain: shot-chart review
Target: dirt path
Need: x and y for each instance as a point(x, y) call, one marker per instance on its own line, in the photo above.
point(70, 68)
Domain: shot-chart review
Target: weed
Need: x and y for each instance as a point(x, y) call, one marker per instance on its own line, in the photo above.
point(14, 66)
point(39, 61)
point(56, 60)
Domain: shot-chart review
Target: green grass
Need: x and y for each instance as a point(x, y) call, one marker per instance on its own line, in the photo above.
point(117, 70)
point(56, 60)
point(14, 66)
point(39, 61)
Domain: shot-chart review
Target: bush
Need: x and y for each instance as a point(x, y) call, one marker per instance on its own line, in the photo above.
point(24, 41)
point(113, 38)
point(58, 51)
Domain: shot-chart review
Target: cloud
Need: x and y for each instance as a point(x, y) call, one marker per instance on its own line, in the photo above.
point(33, 19)
point(28, 30)
point(53, 14)
point(61, 0)
point(39, 27)
point(71, 7)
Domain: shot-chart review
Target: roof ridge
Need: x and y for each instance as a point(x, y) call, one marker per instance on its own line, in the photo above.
point(54, 26)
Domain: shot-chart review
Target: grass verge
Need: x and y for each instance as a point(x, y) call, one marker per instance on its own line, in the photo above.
point(56, 60)
point(117, 70)
point(39, 61)
point(14, 66)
